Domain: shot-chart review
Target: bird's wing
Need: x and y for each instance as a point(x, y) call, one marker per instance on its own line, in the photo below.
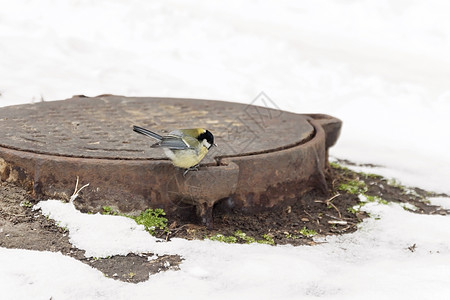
point(173, 142)
point(177, 140)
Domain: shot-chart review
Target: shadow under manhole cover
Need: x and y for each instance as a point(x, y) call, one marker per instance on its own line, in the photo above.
point(265, 156)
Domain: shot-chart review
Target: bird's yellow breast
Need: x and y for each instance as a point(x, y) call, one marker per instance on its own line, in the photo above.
point(186, 158)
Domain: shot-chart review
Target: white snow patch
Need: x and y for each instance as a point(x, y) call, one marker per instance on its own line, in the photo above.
point(100, 235)
point(153, 257)
point(409, 206)
point(443, 202)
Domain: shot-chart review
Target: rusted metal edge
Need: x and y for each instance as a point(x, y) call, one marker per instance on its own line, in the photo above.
point(331, 125)
point(293, 174)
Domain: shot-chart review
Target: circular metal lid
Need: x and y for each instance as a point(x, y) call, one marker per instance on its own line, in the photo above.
point(101, 127)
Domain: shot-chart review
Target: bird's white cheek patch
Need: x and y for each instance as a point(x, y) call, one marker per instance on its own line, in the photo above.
point(206, 144)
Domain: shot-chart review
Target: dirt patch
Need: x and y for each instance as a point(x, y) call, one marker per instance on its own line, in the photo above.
point(23, 228)
point(313, 214)
point(135, 268)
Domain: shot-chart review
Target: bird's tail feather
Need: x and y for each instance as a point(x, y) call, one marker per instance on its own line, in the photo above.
point(147, 133)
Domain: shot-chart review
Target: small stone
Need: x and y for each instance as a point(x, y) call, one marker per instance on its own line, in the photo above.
point(173, 225)
point(304, 219)
point(337, 222)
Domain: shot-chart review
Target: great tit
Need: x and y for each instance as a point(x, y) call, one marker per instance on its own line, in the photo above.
point(184, 147)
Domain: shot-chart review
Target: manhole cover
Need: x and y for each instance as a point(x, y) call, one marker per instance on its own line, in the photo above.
point(265, 156)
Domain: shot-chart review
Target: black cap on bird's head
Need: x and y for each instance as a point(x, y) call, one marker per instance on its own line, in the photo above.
point(208, 136)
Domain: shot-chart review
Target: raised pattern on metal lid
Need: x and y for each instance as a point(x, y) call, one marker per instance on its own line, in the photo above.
point(101, 127)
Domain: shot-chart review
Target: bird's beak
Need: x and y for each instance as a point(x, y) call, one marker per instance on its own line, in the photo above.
point(215, 145)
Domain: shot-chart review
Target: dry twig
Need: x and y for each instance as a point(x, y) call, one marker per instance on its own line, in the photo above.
point(329, 202)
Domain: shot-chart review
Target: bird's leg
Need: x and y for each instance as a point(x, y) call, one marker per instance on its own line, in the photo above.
point(193, 168)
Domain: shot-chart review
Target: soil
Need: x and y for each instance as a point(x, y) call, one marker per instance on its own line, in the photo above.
point(23, 228)
point(323, 214)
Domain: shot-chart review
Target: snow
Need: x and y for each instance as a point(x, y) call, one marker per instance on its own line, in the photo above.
point(373, 262)
point(443, 202)
point(112, 235)
point(380, 66)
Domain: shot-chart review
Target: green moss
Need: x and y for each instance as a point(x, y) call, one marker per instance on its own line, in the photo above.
point(26, 203)
point(355, 187)
point(152, 219)
point(339, 167)
point(370, 175)
point(241, 237)
point(353, 210)
point(292, 236)
point(224, 239)
point(365, 175)
point(307, 232)
point(335, 165)
point(267, 239)
point(108, 210)
point(376, 199)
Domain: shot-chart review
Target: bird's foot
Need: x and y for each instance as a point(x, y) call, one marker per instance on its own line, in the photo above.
point(194, 168)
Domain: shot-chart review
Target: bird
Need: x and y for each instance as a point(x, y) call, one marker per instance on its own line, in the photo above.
point(184, 147)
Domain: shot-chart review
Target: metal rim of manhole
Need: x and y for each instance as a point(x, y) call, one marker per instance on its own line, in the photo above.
point(265, 157)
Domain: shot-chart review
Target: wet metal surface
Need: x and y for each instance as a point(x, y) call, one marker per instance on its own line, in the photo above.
point(265, 157)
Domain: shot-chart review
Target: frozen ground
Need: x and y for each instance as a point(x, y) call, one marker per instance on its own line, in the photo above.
point(380, 66)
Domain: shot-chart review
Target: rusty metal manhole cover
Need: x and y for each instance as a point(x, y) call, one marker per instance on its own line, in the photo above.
point(265, 156)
